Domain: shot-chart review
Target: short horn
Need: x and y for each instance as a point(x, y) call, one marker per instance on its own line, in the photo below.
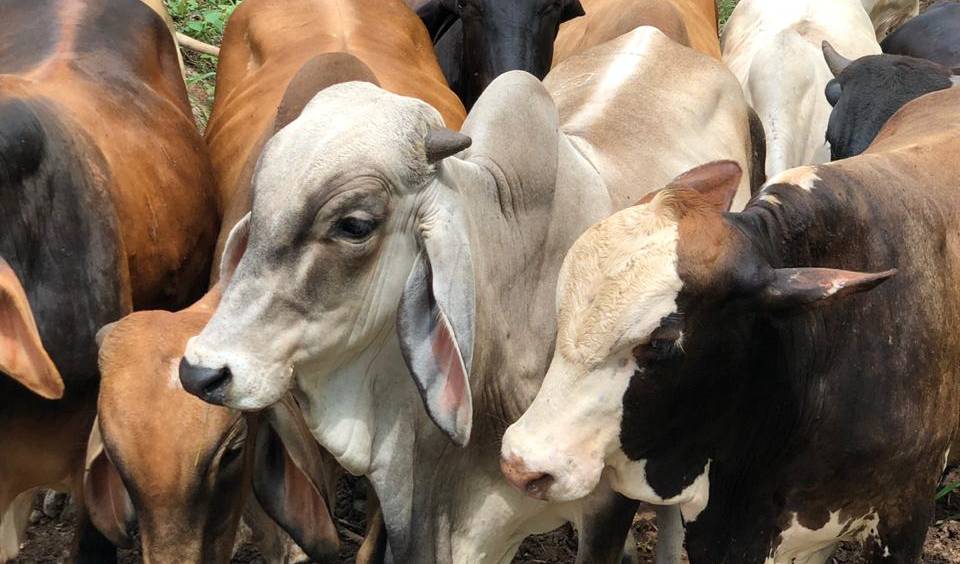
point(442, 143)
point(835, 61)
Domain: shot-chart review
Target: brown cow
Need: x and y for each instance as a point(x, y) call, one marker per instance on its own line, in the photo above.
point(689, 22)
point(106, 195)
point(293, 63)
point(268, 40)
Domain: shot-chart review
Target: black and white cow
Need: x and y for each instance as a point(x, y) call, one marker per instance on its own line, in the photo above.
point(788, 375)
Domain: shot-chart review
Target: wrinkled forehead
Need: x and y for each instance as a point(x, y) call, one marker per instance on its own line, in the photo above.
point(618, 281)
point(347, 130)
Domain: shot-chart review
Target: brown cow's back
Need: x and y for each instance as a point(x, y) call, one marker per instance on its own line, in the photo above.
point(268, 41)
point(113, 73)
point(689, 22)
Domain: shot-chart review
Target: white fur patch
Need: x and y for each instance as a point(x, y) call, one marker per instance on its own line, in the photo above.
point(770, 199)
point(804, 177)
point(630, 479)
point(800, 545)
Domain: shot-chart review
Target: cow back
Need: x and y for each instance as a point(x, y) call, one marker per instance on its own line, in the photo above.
point(101, 97)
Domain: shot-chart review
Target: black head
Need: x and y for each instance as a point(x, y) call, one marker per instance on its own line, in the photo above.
point(505, 35)
point(865, 93)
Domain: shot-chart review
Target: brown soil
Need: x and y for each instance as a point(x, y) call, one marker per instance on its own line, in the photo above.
point(49, 540)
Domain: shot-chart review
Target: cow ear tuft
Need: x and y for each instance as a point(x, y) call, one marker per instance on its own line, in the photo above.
point(104, 494)
point(571, 9)
point(800, 287)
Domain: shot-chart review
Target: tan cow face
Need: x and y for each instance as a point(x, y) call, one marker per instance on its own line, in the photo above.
point(185, 469)
point(356, 248)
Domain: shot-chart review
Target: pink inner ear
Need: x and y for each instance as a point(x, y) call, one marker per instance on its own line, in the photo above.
point(447, 356)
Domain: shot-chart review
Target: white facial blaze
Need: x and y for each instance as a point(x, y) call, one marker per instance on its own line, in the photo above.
point(618, 281)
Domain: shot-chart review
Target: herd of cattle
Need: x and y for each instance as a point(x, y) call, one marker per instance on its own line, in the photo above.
point(629, 274)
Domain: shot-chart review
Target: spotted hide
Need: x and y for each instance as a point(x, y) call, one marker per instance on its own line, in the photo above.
point(787, 375)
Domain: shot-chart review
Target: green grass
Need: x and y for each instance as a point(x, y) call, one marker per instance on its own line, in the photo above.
point(725, 8)
point(203, 20)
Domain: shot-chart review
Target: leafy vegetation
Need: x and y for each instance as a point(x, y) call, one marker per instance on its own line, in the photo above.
point(725, 8)
point(203, 20)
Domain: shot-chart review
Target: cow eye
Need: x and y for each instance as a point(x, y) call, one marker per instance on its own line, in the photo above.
point(664, 349)
point(355, 228)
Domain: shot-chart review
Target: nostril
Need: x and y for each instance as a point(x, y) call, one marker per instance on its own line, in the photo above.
point(220, 379)
point(538, 484)
point(534, 484)
point(207, 384)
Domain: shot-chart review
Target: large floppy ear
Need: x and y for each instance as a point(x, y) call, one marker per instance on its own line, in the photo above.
point(234, 249)
point(716, 182)
point(295, 480)
point(799, 287)
point(104, 494)
point(435, 320)
point(837, 62)
point(22, 355)
point(571, 9)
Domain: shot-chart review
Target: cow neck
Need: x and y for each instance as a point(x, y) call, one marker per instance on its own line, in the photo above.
point(779, 372)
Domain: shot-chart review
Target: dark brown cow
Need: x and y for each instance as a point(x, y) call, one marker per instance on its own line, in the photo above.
point(106, 194)
point(788, 375)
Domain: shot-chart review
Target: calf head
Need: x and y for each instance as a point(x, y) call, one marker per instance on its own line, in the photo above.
point(653, 304)
point(22, 355)
point(182, 468)
point(505, 35)
point(865, 93)
point(357, 248)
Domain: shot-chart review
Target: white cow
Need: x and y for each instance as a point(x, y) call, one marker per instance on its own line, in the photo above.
point(774, 49)
point(888, 15)
point(403, 284)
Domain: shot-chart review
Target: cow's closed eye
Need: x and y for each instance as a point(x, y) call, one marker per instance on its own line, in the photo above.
point(355, 228)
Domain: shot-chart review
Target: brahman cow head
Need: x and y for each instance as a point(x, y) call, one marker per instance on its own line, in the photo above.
point(865, 93)
point(358, 248)
point(651, 302)
point(505, 35)
point(22, 355)
point(184, 469)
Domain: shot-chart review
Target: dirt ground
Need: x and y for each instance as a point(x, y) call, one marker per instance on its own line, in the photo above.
point(49, 539)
